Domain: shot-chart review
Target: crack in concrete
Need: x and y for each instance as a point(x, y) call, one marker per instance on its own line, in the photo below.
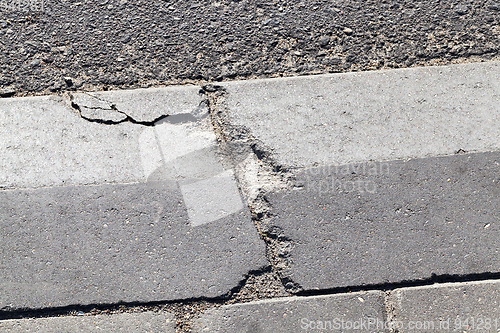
point(257, 285)
point(257, 174)
point(112, 108)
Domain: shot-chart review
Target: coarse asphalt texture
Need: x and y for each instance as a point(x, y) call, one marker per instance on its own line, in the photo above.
point(108, 44)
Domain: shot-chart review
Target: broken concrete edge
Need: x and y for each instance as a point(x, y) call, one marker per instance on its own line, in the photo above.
point(257, 174)
point(210, 96)
point(266, 175)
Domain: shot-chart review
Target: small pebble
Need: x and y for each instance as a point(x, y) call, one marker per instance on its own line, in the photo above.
point(35, 62)
point(7, 92)
point(125, 39)
point(348, 31)
point(493, 5)
point(324, 40)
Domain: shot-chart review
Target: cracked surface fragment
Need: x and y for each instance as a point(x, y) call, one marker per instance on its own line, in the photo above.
point(143, 107)
point(94, 109)
point(98, 110)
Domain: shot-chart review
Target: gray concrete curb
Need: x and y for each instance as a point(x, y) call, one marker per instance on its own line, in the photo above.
point(450, 307)
point(296, 314)
point(148, 322)
point(191, 195)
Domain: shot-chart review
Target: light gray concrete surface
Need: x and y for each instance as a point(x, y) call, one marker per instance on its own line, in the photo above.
point(451, 307)
point(394, 221)
point(379, 115)
point(358, 312)
point(118, 243)
point(146, 322)
point(45, 142)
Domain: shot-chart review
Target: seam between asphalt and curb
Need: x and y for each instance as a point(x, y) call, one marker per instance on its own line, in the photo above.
point(152, 83)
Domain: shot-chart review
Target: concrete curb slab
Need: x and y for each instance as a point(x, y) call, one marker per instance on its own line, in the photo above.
point(46, 142)
point(339, 119)
point(147, 322)
point(337, 313)
point(376, 223)
point(451, 307)
point(99, 213)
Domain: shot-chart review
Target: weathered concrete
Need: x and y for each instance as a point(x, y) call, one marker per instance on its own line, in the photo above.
point(382, 115)
point(376, 223)
point(451, 307)
point(336, 313)
point(351, 178)
point(92, 213)
point(112, 243)
point(45, 142)
point(146, 322)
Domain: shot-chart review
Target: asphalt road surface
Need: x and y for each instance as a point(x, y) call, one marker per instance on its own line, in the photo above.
point(106, 44)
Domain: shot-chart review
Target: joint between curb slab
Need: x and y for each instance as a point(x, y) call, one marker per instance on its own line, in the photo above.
point(257, 174)
point(390, 310)
point(188, 310)
point(185, 311)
